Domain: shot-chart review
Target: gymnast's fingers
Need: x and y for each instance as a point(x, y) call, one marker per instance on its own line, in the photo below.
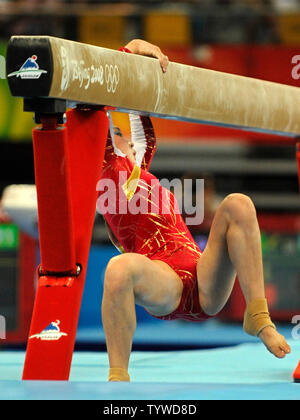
point(164, 62)
point(141, 47)
point(154, 51)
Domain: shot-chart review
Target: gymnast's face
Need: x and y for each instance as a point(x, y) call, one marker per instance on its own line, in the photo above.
point(124, 145)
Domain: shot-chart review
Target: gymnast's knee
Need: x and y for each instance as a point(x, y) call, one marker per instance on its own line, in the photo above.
point(209, 307)
point(238, 208)
point(120, 273)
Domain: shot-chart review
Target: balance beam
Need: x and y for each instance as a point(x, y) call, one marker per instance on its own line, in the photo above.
point(81, 73)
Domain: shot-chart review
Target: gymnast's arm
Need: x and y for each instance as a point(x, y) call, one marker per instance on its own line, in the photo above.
point(141, 127)
point(142, 131)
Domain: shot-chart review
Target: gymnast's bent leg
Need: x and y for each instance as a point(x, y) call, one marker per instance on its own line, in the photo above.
point(133, 278)
point(234, 248)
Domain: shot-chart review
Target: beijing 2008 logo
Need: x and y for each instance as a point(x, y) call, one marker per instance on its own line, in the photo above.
point(112, 77)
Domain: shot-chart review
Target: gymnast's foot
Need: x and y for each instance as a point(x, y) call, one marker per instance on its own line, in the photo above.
point(275, 342)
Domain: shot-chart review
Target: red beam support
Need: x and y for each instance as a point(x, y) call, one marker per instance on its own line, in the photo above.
point(296, 374)
point(68, 162)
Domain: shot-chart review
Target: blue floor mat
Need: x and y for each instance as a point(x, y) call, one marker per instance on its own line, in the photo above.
point(243, 372)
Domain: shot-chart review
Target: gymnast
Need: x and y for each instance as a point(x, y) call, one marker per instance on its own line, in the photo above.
point(160, 266)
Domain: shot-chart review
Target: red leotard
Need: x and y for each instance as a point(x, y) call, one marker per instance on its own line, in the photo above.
point(159, 232)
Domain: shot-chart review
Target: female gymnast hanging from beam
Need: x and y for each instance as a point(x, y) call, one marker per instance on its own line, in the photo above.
point(161, 267)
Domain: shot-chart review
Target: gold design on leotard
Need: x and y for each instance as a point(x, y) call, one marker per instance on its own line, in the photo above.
point(130, 186)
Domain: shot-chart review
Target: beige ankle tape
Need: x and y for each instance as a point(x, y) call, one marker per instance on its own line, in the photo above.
point(257, 317)
point(118, 375)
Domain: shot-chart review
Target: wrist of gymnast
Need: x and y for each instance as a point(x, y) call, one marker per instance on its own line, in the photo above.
point(125, 49)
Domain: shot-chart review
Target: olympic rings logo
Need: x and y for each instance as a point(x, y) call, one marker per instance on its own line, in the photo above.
point(112, 77)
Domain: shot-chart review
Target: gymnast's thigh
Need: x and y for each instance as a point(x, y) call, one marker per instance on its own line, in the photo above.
point(157, 287)
point(215, 272)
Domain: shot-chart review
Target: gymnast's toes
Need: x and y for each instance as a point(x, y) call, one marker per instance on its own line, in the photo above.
point(275, 342)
